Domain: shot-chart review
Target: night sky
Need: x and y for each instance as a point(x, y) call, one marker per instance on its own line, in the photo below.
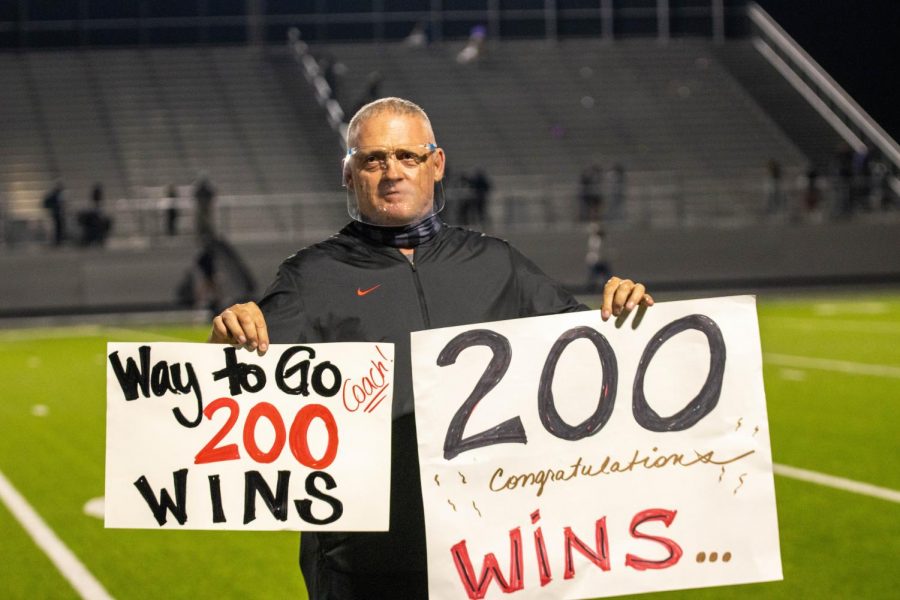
point(857, 42)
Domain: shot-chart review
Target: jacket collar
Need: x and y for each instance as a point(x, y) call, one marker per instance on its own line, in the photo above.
point(406, 236)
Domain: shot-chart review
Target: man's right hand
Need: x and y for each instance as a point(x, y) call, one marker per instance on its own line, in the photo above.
point(241, 325)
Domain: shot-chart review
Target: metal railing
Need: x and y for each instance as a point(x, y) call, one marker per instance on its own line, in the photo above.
point(323, 93)
point(650, 200)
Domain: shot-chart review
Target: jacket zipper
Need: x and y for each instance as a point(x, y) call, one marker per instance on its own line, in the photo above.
point(420, 293)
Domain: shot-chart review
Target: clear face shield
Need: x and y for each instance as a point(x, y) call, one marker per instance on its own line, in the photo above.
point(373, 161)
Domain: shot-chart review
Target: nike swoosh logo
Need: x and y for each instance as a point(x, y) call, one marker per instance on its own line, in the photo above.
point(360, 292)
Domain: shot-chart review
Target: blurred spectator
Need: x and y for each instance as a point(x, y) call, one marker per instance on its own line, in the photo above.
point(617, 193)
point(294, 36)
point(474, 206)
point(590, 193)
point(861, 185)
point(95, 224)
point(168, 206)
point(217, 278)
point(55, 204)
point(474, 48)
point(456, 193)
point(812, 197)
point(418, 37)
point(843, 171)
point(371, 92)
point(4, 223)
point(204, 201)
point(882, 197)
point(774, 188)
point(597, 268)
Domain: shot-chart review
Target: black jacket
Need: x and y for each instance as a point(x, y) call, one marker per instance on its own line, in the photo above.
point(350, 289)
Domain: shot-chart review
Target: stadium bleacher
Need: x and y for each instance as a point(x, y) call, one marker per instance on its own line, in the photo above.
point(694, 122)
point(546, 111)
point(139, 119)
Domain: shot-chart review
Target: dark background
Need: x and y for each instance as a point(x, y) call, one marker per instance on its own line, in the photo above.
point(857, 42)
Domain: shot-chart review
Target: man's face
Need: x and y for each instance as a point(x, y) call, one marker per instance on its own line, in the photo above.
point(397, 192)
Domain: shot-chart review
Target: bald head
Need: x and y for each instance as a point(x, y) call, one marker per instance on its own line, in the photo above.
point(393, 106)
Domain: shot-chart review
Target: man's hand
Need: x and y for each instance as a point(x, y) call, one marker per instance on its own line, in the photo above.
point(623, 294)
point(241, 325)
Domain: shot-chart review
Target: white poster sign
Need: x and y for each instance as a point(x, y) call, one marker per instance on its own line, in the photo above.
point(565, 457)
point(202, 436)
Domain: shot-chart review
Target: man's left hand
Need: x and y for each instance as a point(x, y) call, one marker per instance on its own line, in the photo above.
point(623, 295)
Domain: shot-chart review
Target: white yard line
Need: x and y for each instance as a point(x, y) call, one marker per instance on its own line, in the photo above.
point(141, 335)
point(839, 483)
point(820, 324)
point(55, 333)
point(67, 563)
point(49, 333)
point(827, 364)
point(855, 308)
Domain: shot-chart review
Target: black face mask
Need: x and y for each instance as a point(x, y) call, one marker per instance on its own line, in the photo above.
point(405, 236)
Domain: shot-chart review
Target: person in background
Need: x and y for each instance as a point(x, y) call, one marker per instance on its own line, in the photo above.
point(418, 37)
point(371, 91)
point(168, 206)
point(474, 48)
point(617, 193)
point(861, 184)
point(94, 222)
point(590, 193)
point(204, 205)
point(843, 181)
point(812, 195)
point(597, 268)
point(774, 187)
point(475, 201)
point(55, 204)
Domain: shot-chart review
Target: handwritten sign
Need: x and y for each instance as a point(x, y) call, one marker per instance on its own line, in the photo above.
point(565, 457)
point(201, 436)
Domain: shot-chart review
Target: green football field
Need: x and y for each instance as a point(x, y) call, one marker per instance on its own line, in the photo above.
point(832, 374)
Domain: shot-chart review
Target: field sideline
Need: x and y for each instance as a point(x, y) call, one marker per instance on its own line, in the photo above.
point(832, 373)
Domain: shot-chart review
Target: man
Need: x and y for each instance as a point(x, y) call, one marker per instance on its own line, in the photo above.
point(55, 203)
point(204, 203)
point(395, 269)
point(95, 223)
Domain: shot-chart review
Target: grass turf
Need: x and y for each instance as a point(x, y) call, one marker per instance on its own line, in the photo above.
point(834, 543)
